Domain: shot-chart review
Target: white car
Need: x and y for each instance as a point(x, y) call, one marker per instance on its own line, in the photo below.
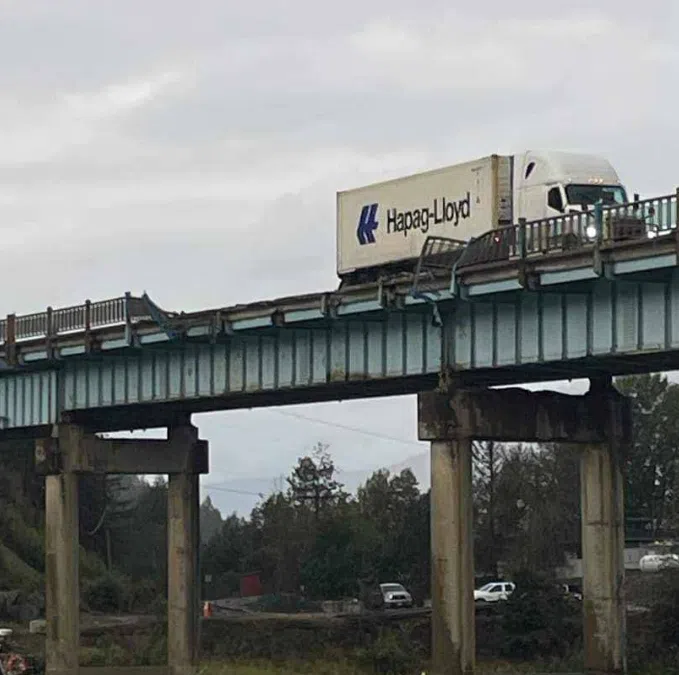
point(658, 562)
point(494, 591)
point(395, 595)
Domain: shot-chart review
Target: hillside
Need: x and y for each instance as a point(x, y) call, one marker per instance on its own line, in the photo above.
point(107, 509)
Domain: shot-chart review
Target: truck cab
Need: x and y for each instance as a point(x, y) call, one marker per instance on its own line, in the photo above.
point(553, 183)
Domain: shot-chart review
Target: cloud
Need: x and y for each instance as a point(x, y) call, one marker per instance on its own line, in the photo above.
point(118, 98)
point(455, 52)
point(42, 132)
point(196, 155)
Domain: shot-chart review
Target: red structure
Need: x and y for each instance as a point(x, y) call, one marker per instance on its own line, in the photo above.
point(250, 585)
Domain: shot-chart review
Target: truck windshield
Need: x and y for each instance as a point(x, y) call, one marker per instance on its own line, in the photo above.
point(591, 194)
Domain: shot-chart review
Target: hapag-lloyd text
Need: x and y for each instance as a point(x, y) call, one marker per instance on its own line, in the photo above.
point(441, 211)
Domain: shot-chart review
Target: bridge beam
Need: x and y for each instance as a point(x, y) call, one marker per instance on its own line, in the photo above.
point(601, 421)
point(70, 452)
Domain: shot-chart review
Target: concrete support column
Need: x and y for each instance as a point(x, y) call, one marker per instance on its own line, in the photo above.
point(603, 543)
point(452, 558)
point(452, 543)
point(601, 421)
point(62, 591)
point(70, 451)
point(183, 547)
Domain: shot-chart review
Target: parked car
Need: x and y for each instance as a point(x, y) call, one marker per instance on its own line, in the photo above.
point(395, 595)
point(494, 591)
point(658, 562)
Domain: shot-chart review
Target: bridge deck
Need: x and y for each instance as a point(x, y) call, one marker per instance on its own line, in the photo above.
point(125, 363)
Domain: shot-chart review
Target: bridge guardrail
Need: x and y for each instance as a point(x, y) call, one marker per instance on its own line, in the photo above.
point(644, 218)
point(78, 318)
point(648, 217)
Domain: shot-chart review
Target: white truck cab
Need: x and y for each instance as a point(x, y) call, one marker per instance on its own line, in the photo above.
point(552, 183)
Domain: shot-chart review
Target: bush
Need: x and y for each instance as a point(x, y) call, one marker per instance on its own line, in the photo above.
point(110, 655)
point(105, 594)
point(143, 597)
point(159, 607)
point(391, 652)
point(91, 565)
point(653, 641)
point(538, 620)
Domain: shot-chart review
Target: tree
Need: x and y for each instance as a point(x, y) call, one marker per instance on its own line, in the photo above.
point(413, 545)
point(140, 540)
point(210, 520)
point(312, 482)
point(19, 483)
point(386, 504)
point(284, 539)
point(333, 565)
point(228, 554)
point(534, 518)
point(106, 502)
point(489, 541)
point(651, 462)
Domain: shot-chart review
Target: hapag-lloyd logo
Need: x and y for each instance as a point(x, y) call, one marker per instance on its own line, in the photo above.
point(440, 211)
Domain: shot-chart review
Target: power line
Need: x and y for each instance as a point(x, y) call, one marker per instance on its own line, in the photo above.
point(315, 420)
point(346, 427)
point(239, 492)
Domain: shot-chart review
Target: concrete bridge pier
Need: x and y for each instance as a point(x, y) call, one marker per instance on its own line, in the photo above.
point(603, 542)
point(183, 545)
point(62, 590)
point(600, 421)
point(452, 556)
point(63, 457)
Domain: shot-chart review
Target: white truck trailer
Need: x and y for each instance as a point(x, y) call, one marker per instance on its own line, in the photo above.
point(383, 226)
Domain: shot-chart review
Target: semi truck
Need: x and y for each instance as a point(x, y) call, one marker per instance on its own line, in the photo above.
point(382, 227)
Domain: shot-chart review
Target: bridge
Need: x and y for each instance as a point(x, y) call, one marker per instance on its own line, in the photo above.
point(584, 295)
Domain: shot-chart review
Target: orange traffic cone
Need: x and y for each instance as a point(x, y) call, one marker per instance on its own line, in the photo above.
point(207, 610)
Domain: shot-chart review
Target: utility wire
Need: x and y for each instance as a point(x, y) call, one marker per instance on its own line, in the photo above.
point(315, 420)
point(346, 427)
point(208, 486)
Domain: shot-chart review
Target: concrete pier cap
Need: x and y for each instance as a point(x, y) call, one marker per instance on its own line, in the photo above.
point(514, 414)
point(72, 450)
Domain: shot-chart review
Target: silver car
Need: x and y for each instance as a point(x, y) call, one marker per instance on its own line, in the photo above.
point(395, 595)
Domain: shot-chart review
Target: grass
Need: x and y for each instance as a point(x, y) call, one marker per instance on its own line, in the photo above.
point(292, 668)
point(329, 668)
point(344, 668)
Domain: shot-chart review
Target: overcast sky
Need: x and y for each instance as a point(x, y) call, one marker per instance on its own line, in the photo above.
point(193, 150)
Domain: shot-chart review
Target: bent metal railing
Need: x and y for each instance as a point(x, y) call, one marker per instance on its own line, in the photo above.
point(646, 218)
point(80, 318)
